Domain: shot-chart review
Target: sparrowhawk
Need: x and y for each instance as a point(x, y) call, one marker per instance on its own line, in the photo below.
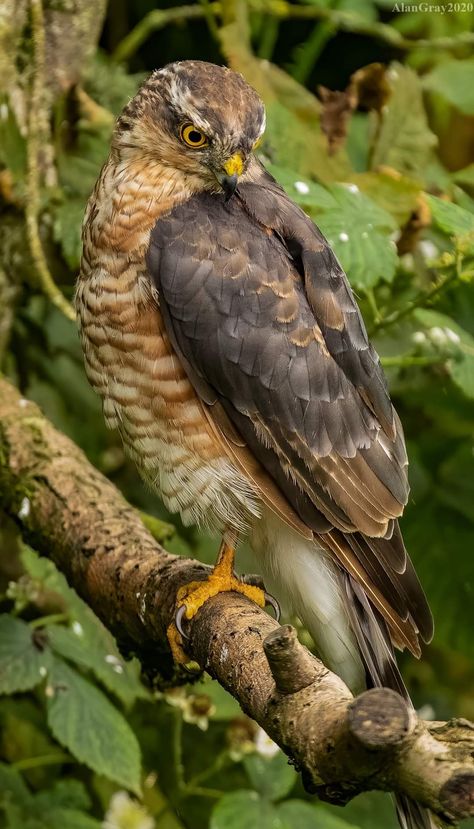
point(224, 339)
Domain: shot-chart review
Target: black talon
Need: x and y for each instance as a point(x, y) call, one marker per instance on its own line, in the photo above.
point(178, 620)
point(273, 603)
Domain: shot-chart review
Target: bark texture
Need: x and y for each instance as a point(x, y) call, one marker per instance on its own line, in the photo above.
point(341, 745)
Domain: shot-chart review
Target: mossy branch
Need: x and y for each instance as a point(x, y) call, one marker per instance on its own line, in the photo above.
point(37, 122)
point(341, 745)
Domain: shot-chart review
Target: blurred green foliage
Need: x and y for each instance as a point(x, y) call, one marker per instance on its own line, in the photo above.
point(392, 187)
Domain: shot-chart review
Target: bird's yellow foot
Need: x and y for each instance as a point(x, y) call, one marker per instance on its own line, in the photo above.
point(191, 597)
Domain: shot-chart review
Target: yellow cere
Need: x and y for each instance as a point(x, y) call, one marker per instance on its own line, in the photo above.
point(234, 165)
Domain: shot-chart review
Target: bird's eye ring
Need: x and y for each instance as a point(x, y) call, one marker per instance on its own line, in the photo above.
point(192, 136)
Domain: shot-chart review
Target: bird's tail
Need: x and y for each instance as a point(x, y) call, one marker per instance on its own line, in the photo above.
point(351, 636)
point(378, 656)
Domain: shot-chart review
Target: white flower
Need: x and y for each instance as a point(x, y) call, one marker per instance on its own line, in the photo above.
point(437, 335)
point(126, 813)
point(264, 745)
point(428, 249)
point(419, 337)
point(452, 336)
point(25, 508)
point(115, 662)
point(302, 187)
point(196, 708)
point(343, 237)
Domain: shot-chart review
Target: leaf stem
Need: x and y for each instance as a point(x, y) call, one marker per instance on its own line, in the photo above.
point(406, 361)
point(51, 619)
point(42, 760)
point(155, 20)
point(422, 298)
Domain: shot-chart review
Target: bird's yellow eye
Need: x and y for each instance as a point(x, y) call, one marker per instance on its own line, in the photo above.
point(192, 136)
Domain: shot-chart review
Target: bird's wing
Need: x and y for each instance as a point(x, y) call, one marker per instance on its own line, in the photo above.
point(279, 348)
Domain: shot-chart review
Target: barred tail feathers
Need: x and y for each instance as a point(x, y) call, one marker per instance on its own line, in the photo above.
point(351, 637)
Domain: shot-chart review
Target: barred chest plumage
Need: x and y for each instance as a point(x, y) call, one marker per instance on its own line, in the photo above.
point(131, 364)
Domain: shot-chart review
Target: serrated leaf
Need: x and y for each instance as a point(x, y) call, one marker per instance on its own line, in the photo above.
point(403, 138)
point(297, 814)
point(396, 194)
point(461, 369)
point(83, 720)
point(272, 777)
point(302, 190)
point(74, 644)
point(355, 230)
point(23, 664)
point(102, 655)
point(454, 81)
point(244, 810)
point(451, 218)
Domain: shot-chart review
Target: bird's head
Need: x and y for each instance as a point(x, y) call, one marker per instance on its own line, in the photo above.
point(198, 118)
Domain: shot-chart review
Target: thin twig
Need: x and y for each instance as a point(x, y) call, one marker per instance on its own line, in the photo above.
point(32, 208)
point(339, 20)
point(421, 299)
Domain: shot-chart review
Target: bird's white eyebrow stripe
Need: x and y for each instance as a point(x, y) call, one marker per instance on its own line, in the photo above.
point(181, 99)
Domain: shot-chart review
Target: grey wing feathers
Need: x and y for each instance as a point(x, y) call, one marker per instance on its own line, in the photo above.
point(295, 375)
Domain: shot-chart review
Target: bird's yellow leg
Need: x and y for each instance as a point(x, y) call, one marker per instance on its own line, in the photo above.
point(194, 595)
point(221, 580)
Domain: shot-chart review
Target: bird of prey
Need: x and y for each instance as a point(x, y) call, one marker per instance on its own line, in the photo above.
point(224, 339)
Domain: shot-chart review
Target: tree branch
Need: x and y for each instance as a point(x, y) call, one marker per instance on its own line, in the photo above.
point(341, 745)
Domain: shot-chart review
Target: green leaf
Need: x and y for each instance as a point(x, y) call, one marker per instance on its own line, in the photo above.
point(461, 368)
point(70, 818)
point(84, 721)
point(244, 810)
point(297, 814)
point(12, 785)
point(454, 81)
point(272, 777)
point(87, 642)
point(358, 231)
point(23, 664)
point(12, 144)
point(451, 218)
point(75, 644)
point(403, 138)
point(397, 195)
point(67, 223)
point(65, 794)
point(456, 476)
point(301, 189)
point(440, 542)
point(465, 176)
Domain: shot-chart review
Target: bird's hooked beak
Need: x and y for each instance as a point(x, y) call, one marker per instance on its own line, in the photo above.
point(229, 175)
